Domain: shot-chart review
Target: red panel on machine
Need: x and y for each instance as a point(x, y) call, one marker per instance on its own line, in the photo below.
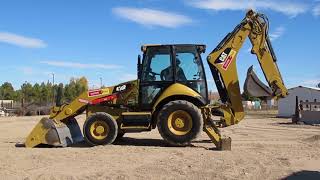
point(104, 99)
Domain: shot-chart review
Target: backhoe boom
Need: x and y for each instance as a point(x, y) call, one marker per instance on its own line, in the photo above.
point(222, 62)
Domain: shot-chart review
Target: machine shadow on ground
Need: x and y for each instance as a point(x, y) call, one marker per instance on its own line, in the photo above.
point(128, 141)
point(302, 175)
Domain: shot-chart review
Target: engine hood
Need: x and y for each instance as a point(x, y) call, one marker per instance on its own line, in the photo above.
point(123, 94)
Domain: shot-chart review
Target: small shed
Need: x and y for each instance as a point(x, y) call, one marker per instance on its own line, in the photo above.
point(287, 106)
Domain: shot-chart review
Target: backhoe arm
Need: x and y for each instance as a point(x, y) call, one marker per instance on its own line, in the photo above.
point(222, 62)
point(262, 48)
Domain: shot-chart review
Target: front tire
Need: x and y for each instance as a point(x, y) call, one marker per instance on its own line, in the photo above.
point(100, 129)
point(179, 122)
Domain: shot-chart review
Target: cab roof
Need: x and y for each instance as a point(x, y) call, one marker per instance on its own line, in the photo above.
point(145, 46)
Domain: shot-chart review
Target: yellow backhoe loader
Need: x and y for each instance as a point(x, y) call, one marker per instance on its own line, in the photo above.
point(170, 93)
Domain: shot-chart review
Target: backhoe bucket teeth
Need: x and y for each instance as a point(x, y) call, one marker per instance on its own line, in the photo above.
point(50, 133)
point(253, 86)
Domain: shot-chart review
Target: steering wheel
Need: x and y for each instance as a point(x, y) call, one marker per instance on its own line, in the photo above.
point(152, 75)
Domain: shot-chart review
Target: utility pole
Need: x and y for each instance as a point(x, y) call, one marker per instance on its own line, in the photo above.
point(53, 96)
point(23, 97)
point(100, 82)
point(53, 78)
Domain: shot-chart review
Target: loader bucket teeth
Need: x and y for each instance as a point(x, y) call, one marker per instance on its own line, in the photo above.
point(253, 86)
point(50, 133)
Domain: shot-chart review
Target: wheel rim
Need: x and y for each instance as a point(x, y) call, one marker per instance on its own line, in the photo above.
point(180, 122)
point(99, 130)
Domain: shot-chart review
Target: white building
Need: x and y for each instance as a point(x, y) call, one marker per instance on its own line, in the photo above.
point(6, 103)
point(287, 106)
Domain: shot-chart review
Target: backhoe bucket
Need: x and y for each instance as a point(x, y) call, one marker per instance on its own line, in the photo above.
point(254, 87)
point(50, 133)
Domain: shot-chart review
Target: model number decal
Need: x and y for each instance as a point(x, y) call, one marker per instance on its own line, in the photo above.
point(121, 88)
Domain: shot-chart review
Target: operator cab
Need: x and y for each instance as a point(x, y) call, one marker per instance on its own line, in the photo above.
point(164, 65)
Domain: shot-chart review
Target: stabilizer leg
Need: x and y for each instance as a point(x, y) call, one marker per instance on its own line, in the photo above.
point(222, 143)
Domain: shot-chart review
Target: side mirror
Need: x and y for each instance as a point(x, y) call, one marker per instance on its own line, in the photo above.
point(139, 66)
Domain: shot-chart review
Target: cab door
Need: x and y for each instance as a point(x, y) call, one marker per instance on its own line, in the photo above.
point(156, 61)
point(189, 69)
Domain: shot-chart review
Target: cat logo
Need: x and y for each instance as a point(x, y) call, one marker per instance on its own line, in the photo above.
point(226, 58)
point(223, 57)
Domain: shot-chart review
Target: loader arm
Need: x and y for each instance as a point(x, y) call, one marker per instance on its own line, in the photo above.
point(61, 129)
point(222, 62)
point(78, 105)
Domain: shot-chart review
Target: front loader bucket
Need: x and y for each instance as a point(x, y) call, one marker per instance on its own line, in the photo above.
point(50, 133)
point(254, 87)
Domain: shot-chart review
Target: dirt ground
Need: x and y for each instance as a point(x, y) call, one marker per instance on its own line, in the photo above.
point(262, 148)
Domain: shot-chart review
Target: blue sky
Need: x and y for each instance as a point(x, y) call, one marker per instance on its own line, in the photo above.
point(102, 38)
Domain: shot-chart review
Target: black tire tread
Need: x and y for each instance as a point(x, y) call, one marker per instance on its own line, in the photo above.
point(114, 123)
point(162, 117)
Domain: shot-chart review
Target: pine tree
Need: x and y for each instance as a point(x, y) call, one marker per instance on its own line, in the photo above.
point(7, 91)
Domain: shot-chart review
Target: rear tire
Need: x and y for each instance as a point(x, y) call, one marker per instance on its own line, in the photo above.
point(100, 129)
point(179, 122)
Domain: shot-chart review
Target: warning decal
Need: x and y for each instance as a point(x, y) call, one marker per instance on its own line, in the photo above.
point(229, 59)
point(98, 92)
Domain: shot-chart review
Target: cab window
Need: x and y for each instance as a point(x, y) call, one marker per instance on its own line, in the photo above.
point(155, 62)
point(189, 69)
